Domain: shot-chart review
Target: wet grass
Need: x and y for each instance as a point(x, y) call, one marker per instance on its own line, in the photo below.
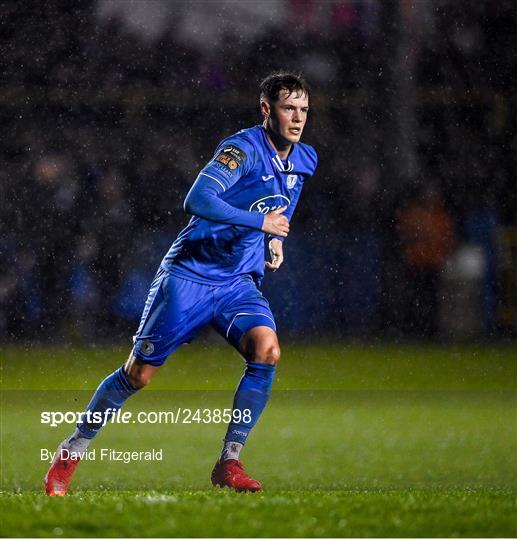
point(357, 441)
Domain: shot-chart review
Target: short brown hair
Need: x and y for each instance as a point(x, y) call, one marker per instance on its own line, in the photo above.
point(270, 87)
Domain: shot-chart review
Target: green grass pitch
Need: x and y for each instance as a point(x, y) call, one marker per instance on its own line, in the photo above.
point(356, 441)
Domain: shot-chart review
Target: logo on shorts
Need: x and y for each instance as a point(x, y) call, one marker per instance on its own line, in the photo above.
point(291, 180)
point(147, 348)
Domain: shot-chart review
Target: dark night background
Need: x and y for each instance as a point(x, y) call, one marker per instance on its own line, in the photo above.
point(109, 109)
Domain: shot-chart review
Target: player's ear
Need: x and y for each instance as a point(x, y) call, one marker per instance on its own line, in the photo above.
point(265, 109)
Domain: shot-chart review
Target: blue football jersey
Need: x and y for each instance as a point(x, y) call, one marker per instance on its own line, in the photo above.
point(252, 177)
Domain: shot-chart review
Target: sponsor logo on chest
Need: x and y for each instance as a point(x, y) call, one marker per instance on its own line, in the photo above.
point(269, 203)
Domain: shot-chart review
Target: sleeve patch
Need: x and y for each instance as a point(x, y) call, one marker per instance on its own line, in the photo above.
point(231, 156)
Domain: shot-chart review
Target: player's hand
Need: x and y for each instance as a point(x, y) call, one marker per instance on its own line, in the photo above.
point(275, 223)
point(276, 251)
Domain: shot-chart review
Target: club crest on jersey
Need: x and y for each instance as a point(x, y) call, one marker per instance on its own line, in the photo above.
point(291, 180)
point(270, 203)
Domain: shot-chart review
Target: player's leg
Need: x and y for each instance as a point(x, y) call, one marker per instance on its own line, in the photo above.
point(167, 322)
point(260, 348)
point(248, 324)
point(110, 395)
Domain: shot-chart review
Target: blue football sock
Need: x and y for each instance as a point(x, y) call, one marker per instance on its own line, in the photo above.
point(108, 398)
point(252, 395)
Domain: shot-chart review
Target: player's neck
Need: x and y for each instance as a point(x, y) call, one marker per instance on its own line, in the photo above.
point(281, 147)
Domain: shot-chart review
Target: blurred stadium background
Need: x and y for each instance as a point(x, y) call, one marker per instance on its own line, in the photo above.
point(109, 108)
point(394, 406)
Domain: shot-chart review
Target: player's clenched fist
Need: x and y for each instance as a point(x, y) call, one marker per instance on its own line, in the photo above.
point(275, 223)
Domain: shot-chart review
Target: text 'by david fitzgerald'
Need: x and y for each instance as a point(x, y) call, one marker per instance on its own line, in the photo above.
point(104, 454)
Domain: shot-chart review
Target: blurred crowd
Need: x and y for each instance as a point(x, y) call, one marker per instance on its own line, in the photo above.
point(104, 131)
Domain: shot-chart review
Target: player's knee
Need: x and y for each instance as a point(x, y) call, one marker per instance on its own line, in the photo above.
point(268, 354)
point(138, 373)
point(138, 379)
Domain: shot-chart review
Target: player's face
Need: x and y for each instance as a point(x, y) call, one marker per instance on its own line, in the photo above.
point(287, 117)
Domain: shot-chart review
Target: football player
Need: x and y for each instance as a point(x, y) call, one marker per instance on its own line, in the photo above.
point(212, 275)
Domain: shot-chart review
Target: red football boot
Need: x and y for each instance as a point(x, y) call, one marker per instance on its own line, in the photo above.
point(230, 473)
point(59, 475)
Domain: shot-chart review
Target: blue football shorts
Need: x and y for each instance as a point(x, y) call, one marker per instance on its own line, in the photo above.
point(176, 310)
